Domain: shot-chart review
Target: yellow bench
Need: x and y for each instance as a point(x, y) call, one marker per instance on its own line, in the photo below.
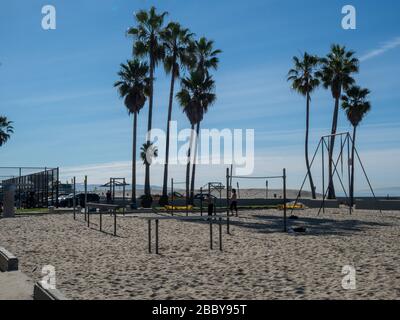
point(291, 206)
point(178, 207)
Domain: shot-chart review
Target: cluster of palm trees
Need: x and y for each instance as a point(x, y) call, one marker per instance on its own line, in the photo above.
point(184, 58)
point(335, 72)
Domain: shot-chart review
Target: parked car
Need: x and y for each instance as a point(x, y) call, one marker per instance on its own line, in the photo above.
point(79, 199)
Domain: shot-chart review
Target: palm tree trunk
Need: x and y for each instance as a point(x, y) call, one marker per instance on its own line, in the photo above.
point(133, 198)
point(192, 183)
point(352, 167)
point(171, 97)
point(331, 187)
point(306, 147)
point(188, 165)
point(147, 189)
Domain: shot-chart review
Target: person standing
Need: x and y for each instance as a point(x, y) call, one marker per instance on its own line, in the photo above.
point(234, 202)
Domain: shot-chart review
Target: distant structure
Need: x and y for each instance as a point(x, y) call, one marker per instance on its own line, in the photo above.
point(34, 187)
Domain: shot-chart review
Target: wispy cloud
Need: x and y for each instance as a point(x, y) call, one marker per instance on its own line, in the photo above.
point(392, 44)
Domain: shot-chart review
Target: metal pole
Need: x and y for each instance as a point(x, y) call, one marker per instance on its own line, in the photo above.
point(220, 234)
point(149, 234)
point(73, 199)
point(101, 220)
point(123, 197)
point(201, 201)
point(85, 199)
point(211, 235)
point(266, 189)
point(227, 191)
point(19, 189)
point(284, 200)
point(115, 223)
point(323, 177)
point(156, 236)
point(227, 225)
point(57, 186)
point(88, 216)
point(172, 196)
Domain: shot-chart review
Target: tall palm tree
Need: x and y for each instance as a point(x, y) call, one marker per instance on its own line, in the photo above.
point(6, 129)
point(177, 41)
point(304, 81)
point(336, 74)
point(206, 58)
point(133, 87)
point(148, 43)
point(356, 106)
point(195, 97)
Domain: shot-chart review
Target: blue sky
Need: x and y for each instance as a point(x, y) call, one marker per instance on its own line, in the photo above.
point(57, 85)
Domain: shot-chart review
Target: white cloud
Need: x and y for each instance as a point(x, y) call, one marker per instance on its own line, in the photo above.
point(381, 50)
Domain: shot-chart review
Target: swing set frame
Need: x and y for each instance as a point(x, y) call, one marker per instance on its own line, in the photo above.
point(346, 143)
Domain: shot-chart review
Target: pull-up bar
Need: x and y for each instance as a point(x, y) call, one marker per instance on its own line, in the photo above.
point(271, 177)
point(229, 187)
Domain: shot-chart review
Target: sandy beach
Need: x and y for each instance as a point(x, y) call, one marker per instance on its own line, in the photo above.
point(259, 261)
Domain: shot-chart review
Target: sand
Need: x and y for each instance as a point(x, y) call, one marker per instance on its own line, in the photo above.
point(258, 261)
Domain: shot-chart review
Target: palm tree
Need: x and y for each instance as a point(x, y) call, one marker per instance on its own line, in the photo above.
point(205, 55)
point(177, 41)
point(206, 58)
point(336, 74)
point(195, 97)
point(148, 152)
point(305, 81)
point(147, 36)
point(356, 106)
point(133, 87)
point(6, 129)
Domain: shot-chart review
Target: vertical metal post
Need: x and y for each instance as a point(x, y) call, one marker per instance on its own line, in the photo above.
point(348, 167)
point(101, 220)
point(323, 176)
point(220, 234)
point(266, 189)
point(149, 233)
point(227, 191)
point(284, 200)
point(123, 197)
point(227, 225)
point(52, 187)
point(211, 234)
point(19, 189)
point(172, 196)
point(85, 198)
point(201, 201)
point(115, 223)
point(88, 216)
point(57, 186)
point(156, 236)
point(215, 206)
point(73, 199)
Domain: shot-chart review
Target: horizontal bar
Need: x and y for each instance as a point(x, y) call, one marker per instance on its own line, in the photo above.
point(241, 177)
point(336, 134)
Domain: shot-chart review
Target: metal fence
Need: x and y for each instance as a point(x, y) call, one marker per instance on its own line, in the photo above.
point(35, 187)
